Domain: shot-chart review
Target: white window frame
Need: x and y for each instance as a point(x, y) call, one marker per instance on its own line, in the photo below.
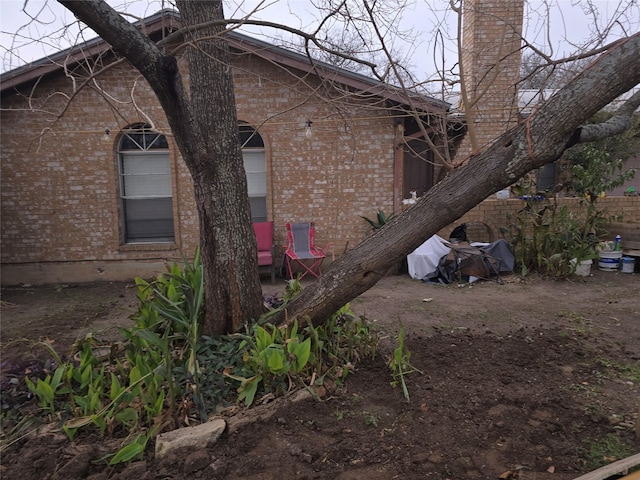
point(145, 188)
point(255, 168)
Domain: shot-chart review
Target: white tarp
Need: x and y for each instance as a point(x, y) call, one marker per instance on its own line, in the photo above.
point(424, 259)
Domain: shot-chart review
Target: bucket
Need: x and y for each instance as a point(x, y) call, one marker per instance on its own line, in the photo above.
point(503, 194)
point(628, 264)
point(583, 269)
point(609, 261)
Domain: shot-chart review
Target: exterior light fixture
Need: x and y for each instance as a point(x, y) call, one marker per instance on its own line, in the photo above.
point(308, 133)
point(107, 135)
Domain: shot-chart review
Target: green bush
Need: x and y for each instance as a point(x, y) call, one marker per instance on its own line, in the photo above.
point(165, 371)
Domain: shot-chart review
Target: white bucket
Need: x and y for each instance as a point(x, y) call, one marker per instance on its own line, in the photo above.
point(609, 261)
point(503, 194)
point(583, 269)
point(627, 265)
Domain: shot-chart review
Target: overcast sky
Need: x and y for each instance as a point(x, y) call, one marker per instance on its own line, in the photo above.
point(570, 26)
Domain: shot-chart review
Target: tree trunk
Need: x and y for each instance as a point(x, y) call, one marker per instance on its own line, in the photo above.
point(205, 128)
point(234, 293)
point(538, 141)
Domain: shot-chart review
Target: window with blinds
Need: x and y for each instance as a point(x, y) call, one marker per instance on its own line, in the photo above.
point(255, 167)
point(145, 186)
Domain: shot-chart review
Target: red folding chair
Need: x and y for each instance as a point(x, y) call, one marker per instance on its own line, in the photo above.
point(302, 250)
point(266, 248)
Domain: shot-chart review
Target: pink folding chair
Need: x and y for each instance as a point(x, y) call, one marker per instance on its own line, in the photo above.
point(302, 250)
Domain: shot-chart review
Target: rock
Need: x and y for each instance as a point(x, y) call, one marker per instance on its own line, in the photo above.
point(136, 470)
point(196, 461)
point(295, 449)
point(78, 466)
point(191, 438)
point(435, 457)
point(419, 458)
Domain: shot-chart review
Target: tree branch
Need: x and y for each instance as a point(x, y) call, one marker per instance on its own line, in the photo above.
point(617, 124)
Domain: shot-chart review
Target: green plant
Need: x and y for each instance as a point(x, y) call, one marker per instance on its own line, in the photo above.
point(595, 172)
point(215, 356)
point(277, 358)
point(273, 355)
point(546, 236)
point(132, 393)
point(371, 419)
point(165, 370)
point(400, 364)
point(583, 247)
point(380, 221)
point(168, 321)
point(46, 389)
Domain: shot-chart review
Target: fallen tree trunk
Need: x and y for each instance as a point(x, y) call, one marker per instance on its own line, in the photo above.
point(541, 139)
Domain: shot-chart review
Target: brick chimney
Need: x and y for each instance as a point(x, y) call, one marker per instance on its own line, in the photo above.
point(491, 41)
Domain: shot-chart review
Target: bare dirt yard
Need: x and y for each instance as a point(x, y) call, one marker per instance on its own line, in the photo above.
point(529, 379)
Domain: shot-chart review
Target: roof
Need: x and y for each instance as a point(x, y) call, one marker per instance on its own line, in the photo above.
point(170, 19)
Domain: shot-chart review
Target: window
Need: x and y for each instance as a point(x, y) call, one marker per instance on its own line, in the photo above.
point(255, 167)
point(546, 177)
point(145, 186)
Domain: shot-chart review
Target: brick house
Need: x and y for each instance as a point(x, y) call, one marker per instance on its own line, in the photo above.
point(101, 192)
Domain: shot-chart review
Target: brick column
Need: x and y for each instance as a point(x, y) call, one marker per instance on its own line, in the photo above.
point(491, 40)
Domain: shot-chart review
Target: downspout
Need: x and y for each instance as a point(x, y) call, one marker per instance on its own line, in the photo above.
point(398, 159)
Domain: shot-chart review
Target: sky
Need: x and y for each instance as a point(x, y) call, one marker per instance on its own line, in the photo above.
point(569, 26)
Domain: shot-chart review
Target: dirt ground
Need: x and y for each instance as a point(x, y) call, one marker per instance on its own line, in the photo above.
point(519, 380)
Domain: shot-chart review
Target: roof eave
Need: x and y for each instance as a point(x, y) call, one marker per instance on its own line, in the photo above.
point(171, 19)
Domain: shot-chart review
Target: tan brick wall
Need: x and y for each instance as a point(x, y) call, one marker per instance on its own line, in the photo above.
point(59, 179)
point(59, 197)
point(491, 62)
point(493, 212)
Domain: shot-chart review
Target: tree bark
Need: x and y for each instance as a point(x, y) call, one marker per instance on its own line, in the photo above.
point(234, 292)
point(541, 139)
point(206, 130)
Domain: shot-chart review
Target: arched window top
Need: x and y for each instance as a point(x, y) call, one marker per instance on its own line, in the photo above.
point(140, 136)
point(249, 137)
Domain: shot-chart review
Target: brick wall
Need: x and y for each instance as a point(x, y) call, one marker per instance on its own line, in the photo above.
point(491, 41)
point(60, 220)
point(493, 212)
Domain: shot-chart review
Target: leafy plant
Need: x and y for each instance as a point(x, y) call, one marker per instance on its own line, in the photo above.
point(594, 172)
point(46, 389)
point(546, 236)
point(165, 371)
point(168, 321)
point(272, 355)
point(277, 358)
point(380, 221)
point(400, 364)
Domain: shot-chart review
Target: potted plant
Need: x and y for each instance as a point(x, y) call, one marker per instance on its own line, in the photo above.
point(583, 251)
